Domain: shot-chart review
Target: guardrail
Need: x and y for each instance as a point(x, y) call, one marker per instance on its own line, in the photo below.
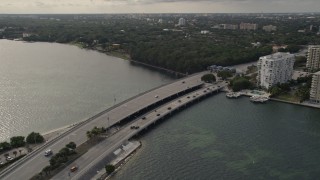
point(77, 126)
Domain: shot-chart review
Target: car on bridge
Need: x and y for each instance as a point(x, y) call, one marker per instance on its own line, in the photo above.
point(134, 127)
point(73, 168)
point(48, 153)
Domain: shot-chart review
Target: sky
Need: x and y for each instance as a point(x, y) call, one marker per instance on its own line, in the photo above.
point(157, 6)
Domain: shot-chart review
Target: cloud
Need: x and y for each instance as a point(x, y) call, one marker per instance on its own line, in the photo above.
point(155, 6)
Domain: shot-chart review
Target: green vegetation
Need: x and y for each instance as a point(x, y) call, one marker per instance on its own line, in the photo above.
point(224, 74)
point(239, 83)
point(5, 146)
point(57, 161)
point(109, 168)
point(34, 138)
point(252, 69)
point(304, 86)
point(71, 145)
point(95, 132)
point(279, 89)
point(49, 171)
point(295, 91)
point(183, 49)
point(290, 48)
point(300, 61)
point(60, 158)
point(17, 141)
point(208, 78)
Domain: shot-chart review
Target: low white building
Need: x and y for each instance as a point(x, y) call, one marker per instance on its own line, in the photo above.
point(205, 32)
point(315, 88)
point(275, 68)
point(269, 28)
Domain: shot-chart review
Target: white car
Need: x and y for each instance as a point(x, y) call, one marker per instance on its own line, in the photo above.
point(48, 152)
point(9, 158)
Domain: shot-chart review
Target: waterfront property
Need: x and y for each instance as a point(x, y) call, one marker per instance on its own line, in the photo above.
point(275, 68)
point(315, 88)
point(313, 58)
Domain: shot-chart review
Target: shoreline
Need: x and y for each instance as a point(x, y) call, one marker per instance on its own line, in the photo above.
point(304, 104)
point(121, 55)
point(51, 134)
point(296, 103)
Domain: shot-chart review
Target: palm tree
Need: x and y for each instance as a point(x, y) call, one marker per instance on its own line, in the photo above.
point(89, 134)
point(15, 153)
point(20, 150)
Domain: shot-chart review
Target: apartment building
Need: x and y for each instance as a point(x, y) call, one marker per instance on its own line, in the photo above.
point(275, 68)
point(248, 26)
point(313, 58)
point(315, 88)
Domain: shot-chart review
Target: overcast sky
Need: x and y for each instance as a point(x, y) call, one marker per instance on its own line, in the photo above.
point(157, 6)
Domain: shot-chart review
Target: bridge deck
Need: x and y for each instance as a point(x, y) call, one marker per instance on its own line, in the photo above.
point(35, 161)
point(98, 156)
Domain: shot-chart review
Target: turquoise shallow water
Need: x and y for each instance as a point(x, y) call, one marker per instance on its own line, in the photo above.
point(220, 138)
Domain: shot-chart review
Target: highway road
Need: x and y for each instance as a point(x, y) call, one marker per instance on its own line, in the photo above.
point(35, 162)
point(88, 162)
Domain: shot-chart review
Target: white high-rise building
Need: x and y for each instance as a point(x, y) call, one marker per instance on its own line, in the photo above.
point(248, 26)
point(315, 88)
point(229, 26)
point(313, 58)
point(182, 22)
point(275, 68)
point(269, 28)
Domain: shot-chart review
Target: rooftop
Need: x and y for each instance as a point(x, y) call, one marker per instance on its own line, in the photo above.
point(277, 56)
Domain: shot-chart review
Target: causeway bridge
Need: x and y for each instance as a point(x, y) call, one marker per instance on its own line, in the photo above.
point(153, 105)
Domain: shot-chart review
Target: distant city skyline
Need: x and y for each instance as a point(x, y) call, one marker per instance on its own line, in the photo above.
point(157, 6)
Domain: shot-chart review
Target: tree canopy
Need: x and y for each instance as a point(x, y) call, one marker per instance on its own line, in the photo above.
point(17, 141)
point(34, 137)
point(208, 78)
point(239, 83)
point(109, 168)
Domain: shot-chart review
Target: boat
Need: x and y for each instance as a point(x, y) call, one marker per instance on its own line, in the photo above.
point(258, 99)
point(233, 95)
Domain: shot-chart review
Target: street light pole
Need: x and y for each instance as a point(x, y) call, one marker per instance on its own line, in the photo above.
point(108, 123)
